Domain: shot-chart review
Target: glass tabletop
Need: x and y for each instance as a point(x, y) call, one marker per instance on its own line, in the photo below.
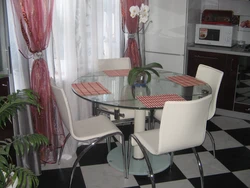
point(125, 96)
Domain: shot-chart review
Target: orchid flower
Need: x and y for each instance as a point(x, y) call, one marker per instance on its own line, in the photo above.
point(144, 17)
point(134, 11)
point(144, 9)
point(142, 12)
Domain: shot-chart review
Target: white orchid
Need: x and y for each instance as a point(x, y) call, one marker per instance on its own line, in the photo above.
point(142, 12)
point(134, 11)
point(144, 9)
point(144, 17)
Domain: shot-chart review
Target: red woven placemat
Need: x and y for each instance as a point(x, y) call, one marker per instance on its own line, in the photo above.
point(186, 80)
point(158, 100)
point(90, 88)
point(120, 72)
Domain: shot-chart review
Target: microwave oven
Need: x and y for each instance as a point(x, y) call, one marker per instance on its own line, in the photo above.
point(216, 35)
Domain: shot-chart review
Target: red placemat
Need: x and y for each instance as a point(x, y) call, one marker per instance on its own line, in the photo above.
point(186, 80)
point(90, 88)
point(120, 72)
point(158, 100)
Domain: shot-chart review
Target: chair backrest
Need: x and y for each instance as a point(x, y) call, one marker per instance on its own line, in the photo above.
point(183, 124)
point(114, 63)
point(213, 77)
point(63, 106)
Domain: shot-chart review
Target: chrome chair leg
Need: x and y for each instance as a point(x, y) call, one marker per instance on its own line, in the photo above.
point(151, 174)
point(108, 140)
point(200, 167)
point(212, 140)
point(61, 150)
point(171, 160)
point(124, 157)
point(93, 144)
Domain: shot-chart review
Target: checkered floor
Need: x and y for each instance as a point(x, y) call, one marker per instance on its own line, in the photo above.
point(230, 168)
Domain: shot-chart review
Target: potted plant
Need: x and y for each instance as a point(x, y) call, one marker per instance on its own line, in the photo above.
point(142, 75)
point(11, 175)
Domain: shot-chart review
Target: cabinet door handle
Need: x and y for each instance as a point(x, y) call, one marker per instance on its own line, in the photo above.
point(205, 57)
point(4, 85)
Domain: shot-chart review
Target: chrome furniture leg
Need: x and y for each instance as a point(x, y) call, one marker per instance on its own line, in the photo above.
point(61, 150)
point(212, 140)
point(93, 144)
point(200, 167)
point(151, 124)
point(108, 140)
point(171, 160)
point(151, 174)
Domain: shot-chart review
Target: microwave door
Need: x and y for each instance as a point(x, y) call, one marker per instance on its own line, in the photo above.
point(209, 34)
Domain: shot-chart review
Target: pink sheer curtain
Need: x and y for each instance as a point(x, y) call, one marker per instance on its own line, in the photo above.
point(132, 26)
point(33, 22)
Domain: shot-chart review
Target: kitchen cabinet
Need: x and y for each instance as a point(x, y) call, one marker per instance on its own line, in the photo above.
point(7, 132)
point(224, 62)
point(242, 89)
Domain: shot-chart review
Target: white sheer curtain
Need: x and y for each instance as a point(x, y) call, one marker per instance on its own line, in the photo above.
point(83, 31)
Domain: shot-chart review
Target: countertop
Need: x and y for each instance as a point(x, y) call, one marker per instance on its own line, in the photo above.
point(235, 50)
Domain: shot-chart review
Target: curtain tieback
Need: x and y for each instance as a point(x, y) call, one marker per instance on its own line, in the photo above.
point(131, 35)
point(38, 55)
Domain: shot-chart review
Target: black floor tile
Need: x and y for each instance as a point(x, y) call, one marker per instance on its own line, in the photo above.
point(227, 180)
point(241, 135)
point(127, 130)
point(60, 178)
point(187, 151)
point(234, 159)
point(164, 176)
point(212, 127)
point(96, 155)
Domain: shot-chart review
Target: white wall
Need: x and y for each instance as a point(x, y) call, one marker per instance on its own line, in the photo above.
point(239, 7)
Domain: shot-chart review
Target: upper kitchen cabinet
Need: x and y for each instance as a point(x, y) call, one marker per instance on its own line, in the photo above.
point(166, 35)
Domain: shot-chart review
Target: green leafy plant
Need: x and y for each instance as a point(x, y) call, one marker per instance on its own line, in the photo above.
point(9, 173)
point(143, 71)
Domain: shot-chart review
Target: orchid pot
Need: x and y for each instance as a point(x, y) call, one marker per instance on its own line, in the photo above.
point(140, 76)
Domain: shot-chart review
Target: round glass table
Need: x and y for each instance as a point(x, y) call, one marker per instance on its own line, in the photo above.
point(99, 88)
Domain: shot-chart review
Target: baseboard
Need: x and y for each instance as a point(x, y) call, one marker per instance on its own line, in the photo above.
point(229, 113)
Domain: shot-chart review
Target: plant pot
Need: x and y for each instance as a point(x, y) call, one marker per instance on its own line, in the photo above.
point(140, 90)
point(14, 185)
point(141, 80)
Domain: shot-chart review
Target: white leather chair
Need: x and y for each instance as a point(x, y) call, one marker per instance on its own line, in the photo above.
point(183, 125)
point(116, 64)
point(213, 78)
point(93, 129)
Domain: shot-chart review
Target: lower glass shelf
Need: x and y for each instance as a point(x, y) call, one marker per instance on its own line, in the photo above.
point(138, 167)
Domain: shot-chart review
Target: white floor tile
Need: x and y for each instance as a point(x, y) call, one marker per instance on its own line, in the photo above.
point(172, 184)
point(222, 141)
point(243, 176)
point(64, 164)
point(227, 123)
point(188, 165)
point(104, 176)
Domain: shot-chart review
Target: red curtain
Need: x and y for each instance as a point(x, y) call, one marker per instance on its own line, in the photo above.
point(33, 22)
point(131, 25)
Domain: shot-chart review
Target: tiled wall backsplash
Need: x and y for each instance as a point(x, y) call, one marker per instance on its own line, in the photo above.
point(239, 7)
